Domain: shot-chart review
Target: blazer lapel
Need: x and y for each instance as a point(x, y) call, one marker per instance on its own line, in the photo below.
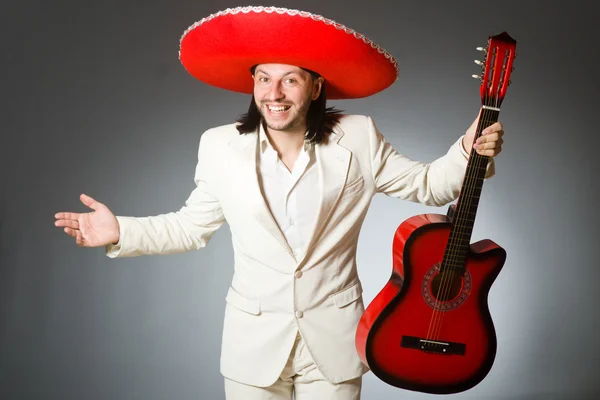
point(246, 146)
point(333, 162)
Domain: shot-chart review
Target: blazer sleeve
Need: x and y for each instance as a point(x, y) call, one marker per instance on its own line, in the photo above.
point(190, 228)
point(433, 184)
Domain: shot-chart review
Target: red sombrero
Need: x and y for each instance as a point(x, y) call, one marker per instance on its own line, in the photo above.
point(221, 48)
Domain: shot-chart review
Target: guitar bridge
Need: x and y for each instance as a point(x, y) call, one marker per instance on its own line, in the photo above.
point(433, 346)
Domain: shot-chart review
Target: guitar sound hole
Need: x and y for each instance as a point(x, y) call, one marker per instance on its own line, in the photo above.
point(446, 285)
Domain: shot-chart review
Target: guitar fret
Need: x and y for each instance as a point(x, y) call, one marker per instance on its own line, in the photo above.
point(468, 219)
point(463, 231)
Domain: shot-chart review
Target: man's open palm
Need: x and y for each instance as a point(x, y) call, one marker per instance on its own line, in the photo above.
point(94, 229)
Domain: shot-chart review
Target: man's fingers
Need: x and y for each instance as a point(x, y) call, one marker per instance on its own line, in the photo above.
point(68, 223)
point(494, 133)
point(67, 215)
point(488, 137)
point(76, 234)
point(496, 126)
point(79, 239)
point(88, 201)
point(490, 153)
point(491, 137)
point(489, 145)
point(71, 232)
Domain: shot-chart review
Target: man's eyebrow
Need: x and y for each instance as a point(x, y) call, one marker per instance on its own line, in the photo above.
point(292, 72)
point(258, 70)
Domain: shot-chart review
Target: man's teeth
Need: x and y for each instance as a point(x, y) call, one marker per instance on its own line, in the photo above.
point(278, 109)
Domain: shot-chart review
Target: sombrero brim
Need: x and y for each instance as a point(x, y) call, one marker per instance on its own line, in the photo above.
point(220, 50)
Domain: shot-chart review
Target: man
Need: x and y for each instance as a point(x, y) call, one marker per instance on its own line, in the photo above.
point(294, 181)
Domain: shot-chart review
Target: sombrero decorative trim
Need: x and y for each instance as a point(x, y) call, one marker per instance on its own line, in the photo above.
point(220, 49)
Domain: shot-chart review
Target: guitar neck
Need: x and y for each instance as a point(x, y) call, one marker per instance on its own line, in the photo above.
point(468, 200)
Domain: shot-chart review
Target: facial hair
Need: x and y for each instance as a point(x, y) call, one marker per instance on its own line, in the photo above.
point(298, 116)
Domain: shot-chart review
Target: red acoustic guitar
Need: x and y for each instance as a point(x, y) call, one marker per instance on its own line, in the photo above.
point(430, 329)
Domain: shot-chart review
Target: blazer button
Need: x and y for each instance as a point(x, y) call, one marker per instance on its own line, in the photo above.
point(298, 274)
point(299, 314)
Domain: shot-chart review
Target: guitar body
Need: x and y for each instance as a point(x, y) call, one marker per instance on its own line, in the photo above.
point(390, 329)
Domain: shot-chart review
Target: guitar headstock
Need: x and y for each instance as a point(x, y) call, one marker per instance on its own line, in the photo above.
point(496, 68)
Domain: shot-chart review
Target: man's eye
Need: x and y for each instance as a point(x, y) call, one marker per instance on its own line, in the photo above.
point(291, 80)
point(263, 79)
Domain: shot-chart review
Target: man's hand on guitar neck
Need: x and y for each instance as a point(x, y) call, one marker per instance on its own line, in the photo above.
point(489, 143)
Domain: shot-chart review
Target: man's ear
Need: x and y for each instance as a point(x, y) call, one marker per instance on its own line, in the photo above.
point(317, 87)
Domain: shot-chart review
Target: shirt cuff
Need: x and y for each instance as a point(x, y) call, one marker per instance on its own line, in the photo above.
point(461, 146)
point(113, 250)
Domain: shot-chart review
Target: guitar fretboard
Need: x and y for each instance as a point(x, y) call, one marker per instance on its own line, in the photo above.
point(468, 200)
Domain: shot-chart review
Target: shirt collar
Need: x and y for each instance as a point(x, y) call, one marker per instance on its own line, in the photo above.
point(265, 143)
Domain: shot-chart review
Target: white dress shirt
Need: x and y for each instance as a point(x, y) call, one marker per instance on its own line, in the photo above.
point(292, 197)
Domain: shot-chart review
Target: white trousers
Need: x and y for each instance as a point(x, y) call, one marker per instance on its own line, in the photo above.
point(299, 377)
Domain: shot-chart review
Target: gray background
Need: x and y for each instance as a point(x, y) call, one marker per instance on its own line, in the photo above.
point(94, 100)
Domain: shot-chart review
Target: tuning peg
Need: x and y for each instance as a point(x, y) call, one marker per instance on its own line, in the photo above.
point(482, 49)
point(477, 77)
point(478, 62)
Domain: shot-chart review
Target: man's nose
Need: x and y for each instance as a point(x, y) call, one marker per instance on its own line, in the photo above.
point(275, 92)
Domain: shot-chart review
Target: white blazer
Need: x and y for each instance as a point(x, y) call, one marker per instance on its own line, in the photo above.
point(273, 295)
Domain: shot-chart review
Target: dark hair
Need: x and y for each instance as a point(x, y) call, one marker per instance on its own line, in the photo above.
point(320, 118)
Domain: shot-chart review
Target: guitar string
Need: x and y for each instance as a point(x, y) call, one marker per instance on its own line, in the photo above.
point(477, 160)
point(460, 250)
point(456, 247)
point(456, 256)
point(448, 254)
point(444, 269)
